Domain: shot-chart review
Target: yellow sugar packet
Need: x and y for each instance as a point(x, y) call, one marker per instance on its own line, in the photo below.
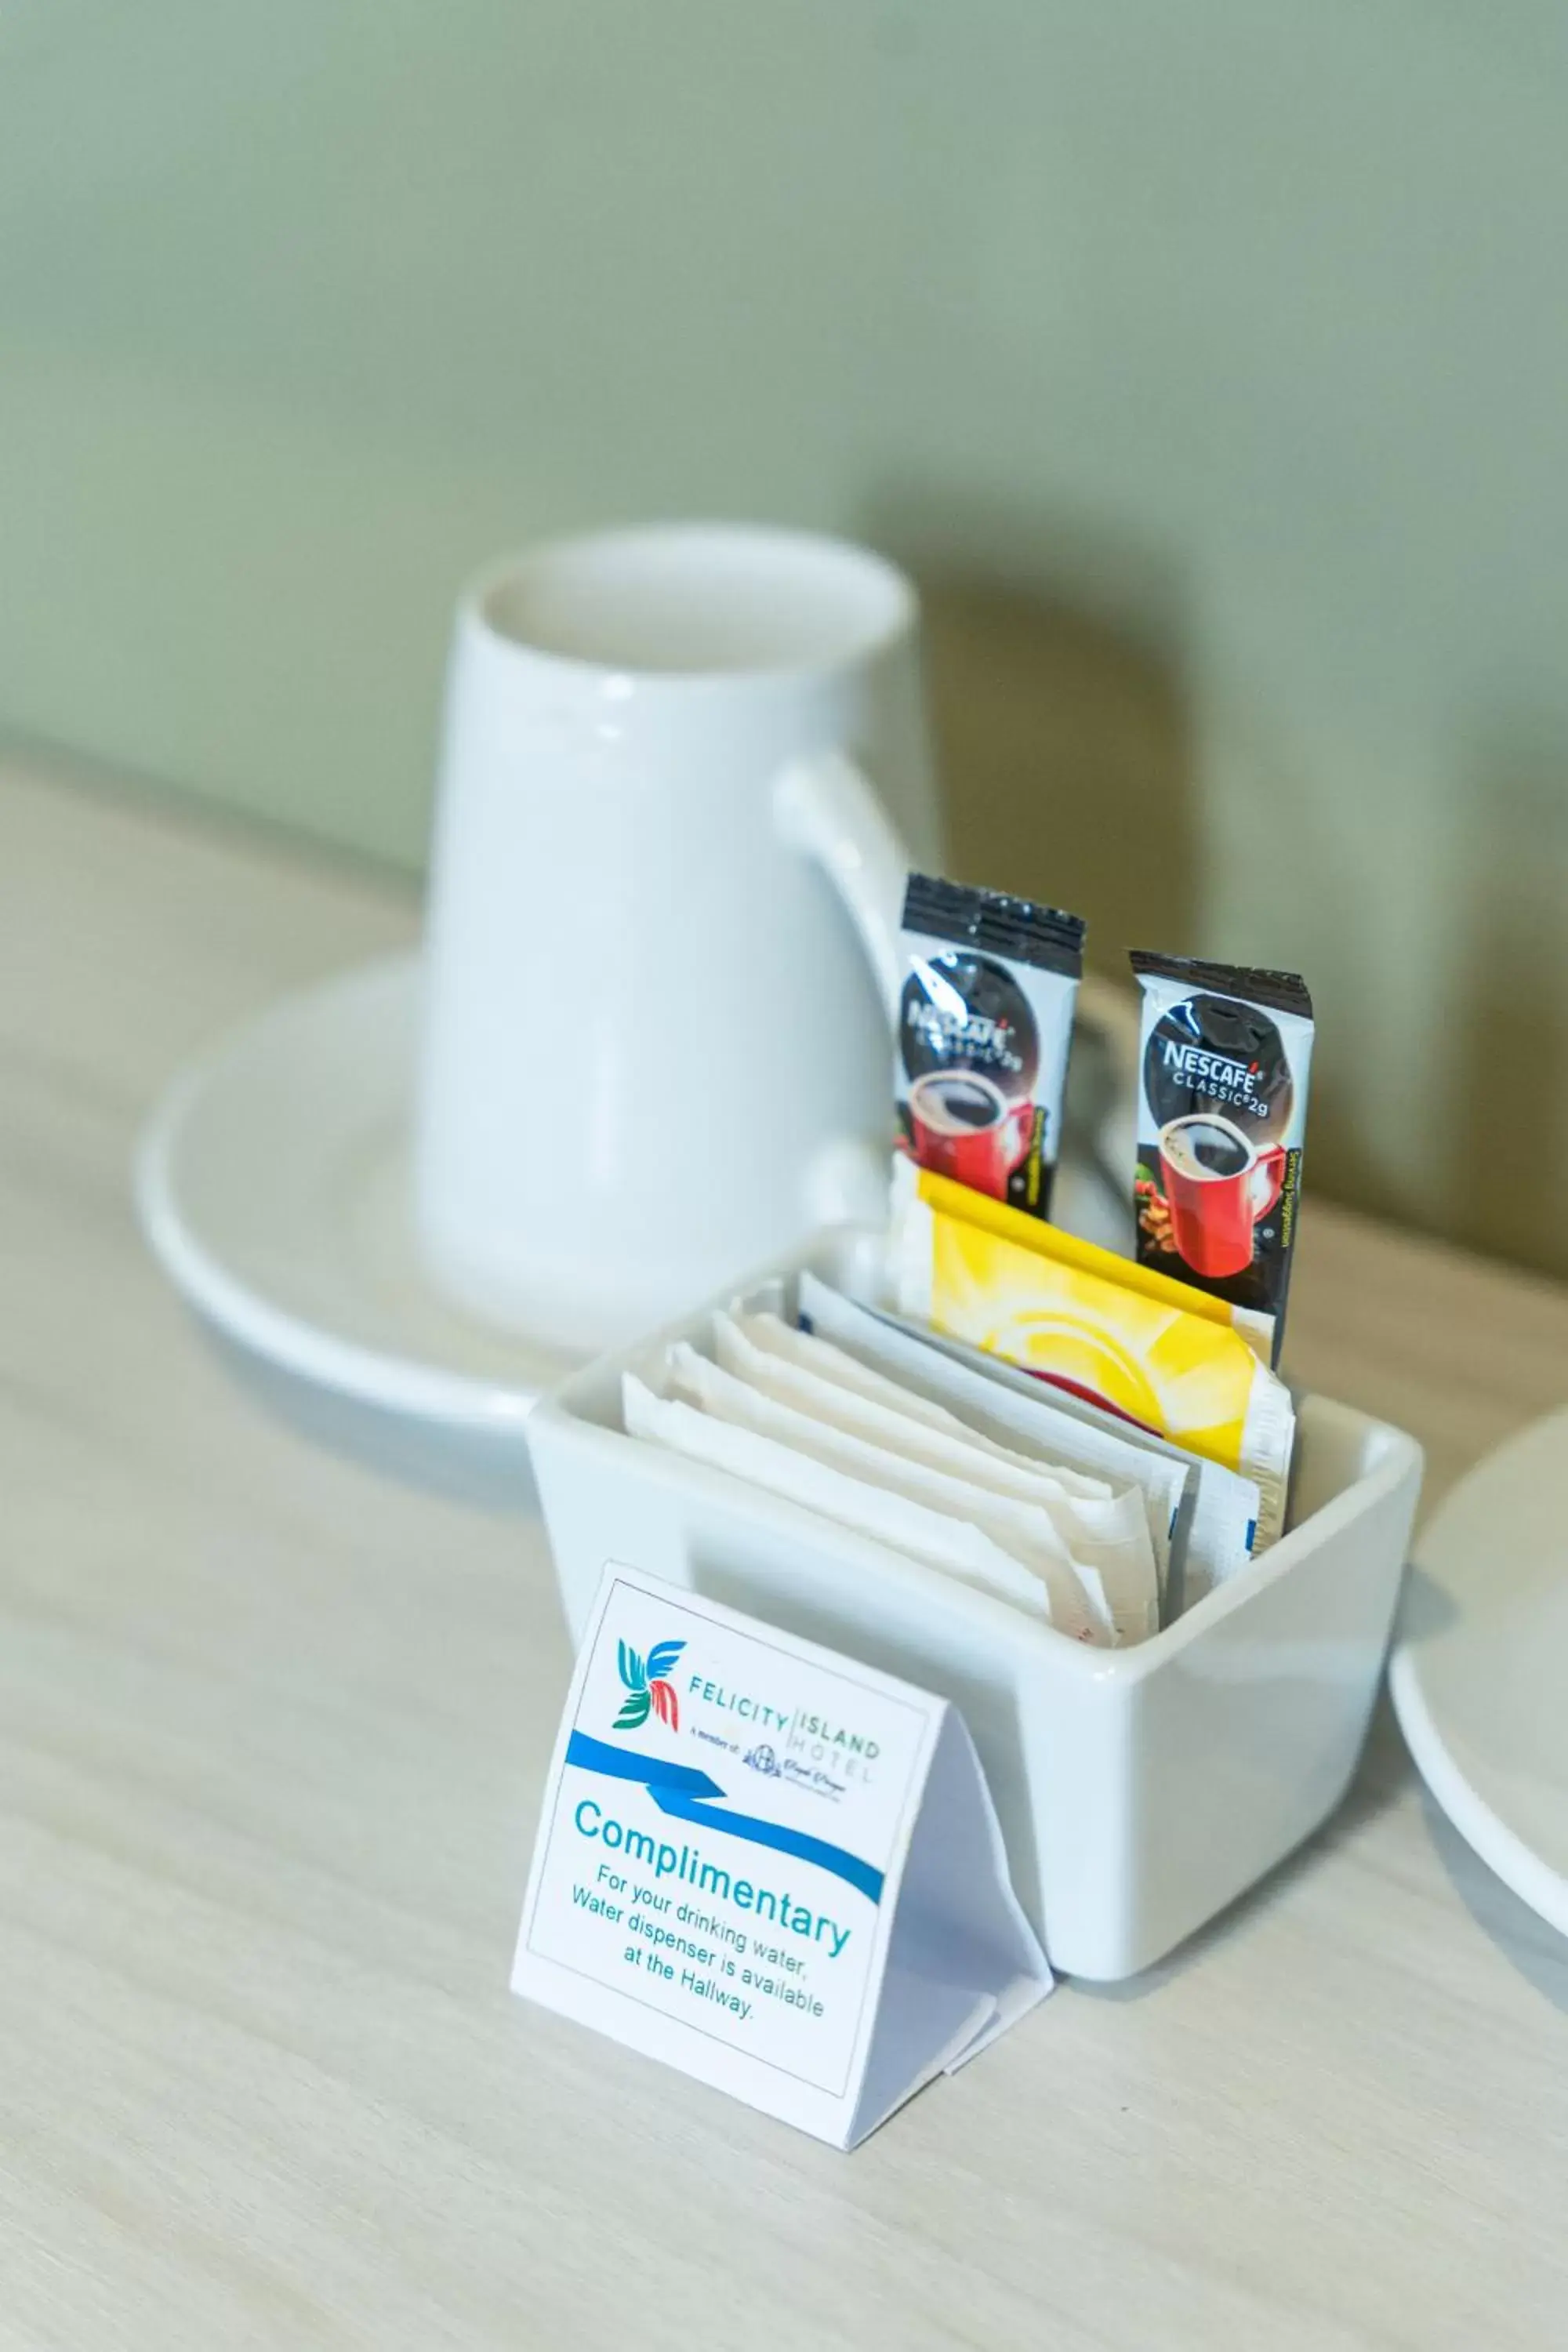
point(1175, 1360)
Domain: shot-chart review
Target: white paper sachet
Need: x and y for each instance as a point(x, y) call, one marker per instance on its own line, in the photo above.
point(1019, 1414)
point(1078, 1603)
point(922, 1535)
point(1222, 1539)
point(1106, 1532)
point(768, 1330)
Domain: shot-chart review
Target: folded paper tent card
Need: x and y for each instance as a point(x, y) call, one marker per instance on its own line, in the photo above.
point(769, 1865)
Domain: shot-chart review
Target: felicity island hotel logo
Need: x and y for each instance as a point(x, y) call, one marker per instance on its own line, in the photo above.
point(647, 1686)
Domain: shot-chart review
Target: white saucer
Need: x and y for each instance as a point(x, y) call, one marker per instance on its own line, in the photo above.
point(273, 1184)
point(1479, 1672)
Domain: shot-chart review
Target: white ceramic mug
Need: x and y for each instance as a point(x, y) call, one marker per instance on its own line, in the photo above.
point(663, 952)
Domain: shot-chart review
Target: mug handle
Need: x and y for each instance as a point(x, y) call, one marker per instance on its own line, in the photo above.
point(827, 810)
point(1268, 1178)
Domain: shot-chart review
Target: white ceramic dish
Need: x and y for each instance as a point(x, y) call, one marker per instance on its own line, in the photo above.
point(1479, 1672)
point(1139, 1791)
point(273, 1182)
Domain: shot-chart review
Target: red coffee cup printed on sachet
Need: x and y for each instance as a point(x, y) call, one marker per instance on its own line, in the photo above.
point(963, 1125)
point(1217, 1186)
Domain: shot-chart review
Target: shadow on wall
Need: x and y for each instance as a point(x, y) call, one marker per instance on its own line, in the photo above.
point(1064, 715)
point(1505, 1086)
point(1061, 715)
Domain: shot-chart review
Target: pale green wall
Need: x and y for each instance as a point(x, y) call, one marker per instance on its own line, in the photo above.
point(1209, 361)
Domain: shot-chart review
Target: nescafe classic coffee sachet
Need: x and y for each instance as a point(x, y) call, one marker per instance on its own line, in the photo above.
point(984, 1024)
point(1223, 1067)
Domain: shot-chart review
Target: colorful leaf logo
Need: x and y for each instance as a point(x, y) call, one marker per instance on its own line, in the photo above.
point(648, 1690)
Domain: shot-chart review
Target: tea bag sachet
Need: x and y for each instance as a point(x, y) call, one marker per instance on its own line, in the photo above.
point(1216, 1529)
point(801, 1344)
point(935, 1540)
point(1106, 1532)
point(1078, 1605)
point(1023, 1418)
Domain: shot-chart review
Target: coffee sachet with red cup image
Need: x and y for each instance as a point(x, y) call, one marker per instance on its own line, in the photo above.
point(984, 1024)
point(1224, 1059)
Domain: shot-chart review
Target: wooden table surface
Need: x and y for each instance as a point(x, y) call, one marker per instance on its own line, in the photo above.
point(272, 1734)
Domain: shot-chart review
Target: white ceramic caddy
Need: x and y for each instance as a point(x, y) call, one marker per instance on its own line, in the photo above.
point(1139, 1791)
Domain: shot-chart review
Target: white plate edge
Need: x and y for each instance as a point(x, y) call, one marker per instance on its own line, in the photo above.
point(458, 1399)
point(1502, 1850)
